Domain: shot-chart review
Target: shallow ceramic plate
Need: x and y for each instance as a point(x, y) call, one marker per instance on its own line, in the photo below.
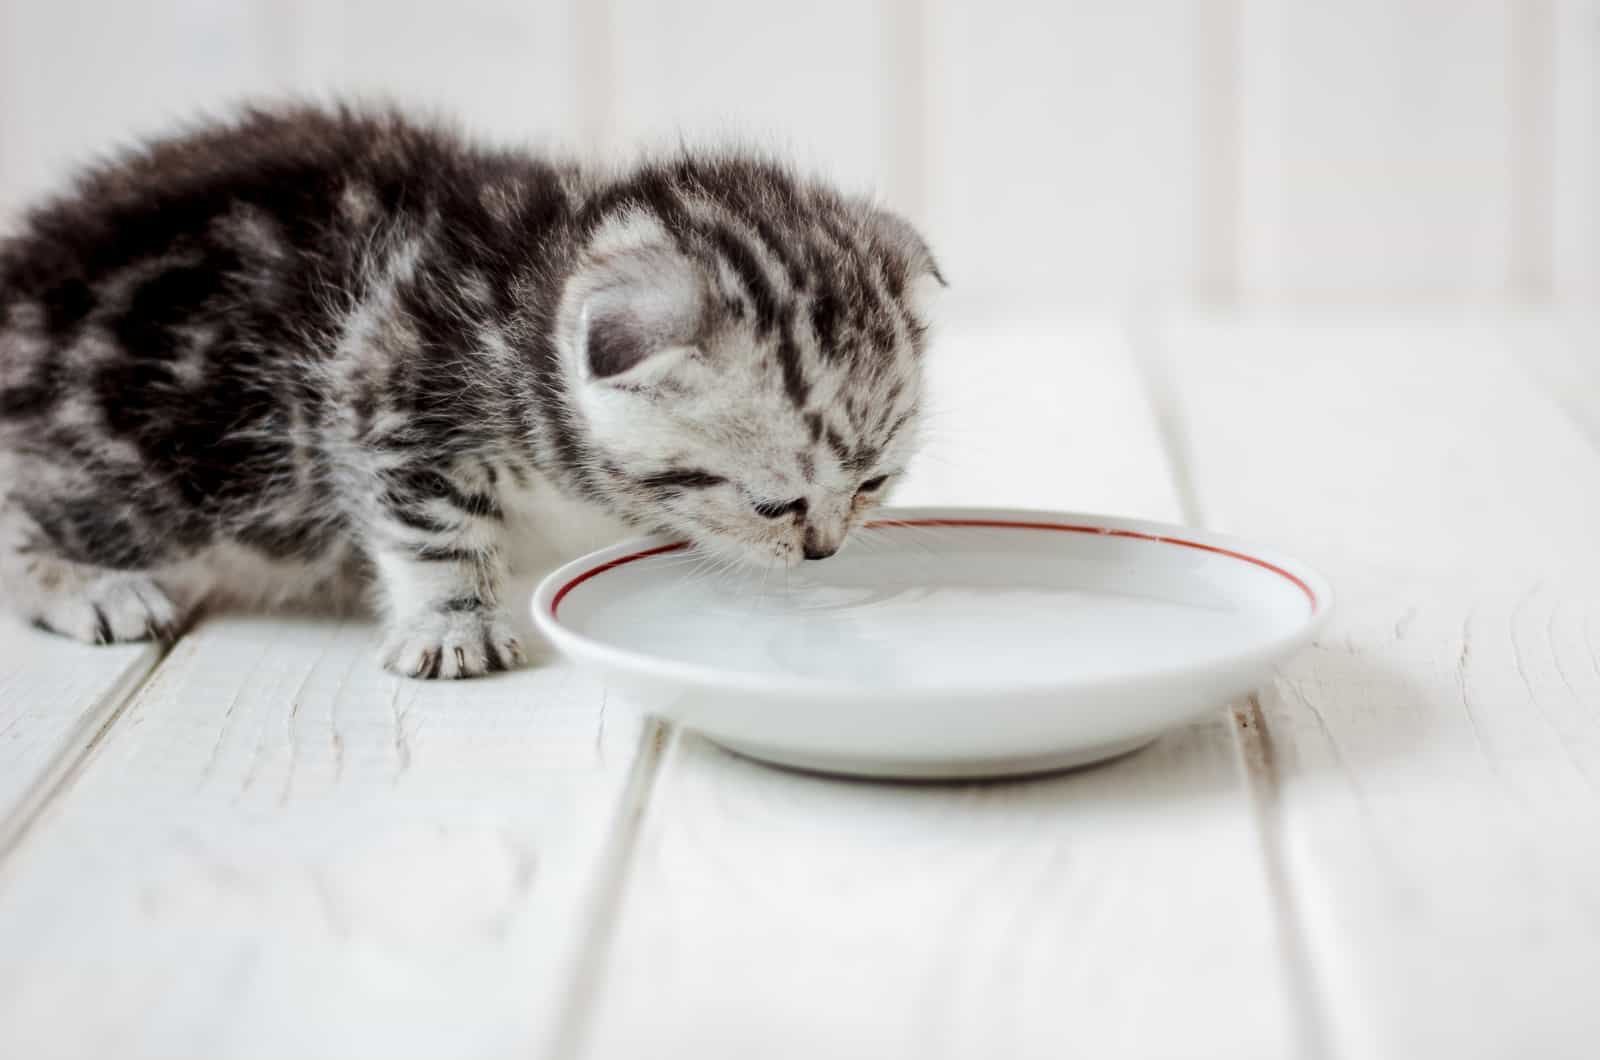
point(941, 641)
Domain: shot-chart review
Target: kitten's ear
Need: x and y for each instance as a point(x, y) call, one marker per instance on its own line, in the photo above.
point(639, 305)
point(642, 319)
point(896, 233)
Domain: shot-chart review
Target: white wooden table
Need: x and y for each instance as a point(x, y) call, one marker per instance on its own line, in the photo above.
point(257, 844)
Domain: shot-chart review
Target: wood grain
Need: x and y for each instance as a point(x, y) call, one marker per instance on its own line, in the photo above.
point(782, 915)
point(280, 850)
point(1439, 748)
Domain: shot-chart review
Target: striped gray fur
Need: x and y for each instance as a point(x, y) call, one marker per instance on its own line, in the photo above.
point(339, 355)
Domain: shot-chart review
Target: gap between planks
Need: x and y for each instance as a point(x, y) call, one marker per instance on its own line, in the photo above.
point(1252, 738)
point(69, 762)
point(610, 883)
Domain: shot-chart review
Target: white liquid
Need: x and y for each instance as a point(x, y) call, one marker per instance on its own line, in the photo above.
point(901, 619)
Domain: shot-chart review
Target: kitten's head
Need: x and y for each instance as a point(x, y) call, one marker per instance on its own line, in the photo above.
point(744, 359)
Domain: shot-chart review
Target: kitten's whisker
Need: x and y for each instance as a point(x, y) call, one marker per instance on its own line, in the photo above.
point(699, 562)
point(884, 533)
point(761, 590)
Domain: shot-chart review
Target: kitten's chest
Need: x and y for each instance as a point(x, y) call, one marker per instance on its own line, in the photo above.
point(545, 527)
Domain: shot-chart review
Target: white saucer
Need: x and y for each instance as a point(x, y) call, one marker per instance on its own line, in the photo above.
point(942, 642)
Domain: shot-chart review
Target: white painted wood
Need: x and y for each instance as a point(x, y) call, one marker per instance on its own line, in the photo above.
point(1061, 148)
point(1121, 911)
point(55, 697)
point(904, 105)
point(1530, 150)
point(1558, 350)
point(279, 850)
point(1275, 150)
point(1439, 749)
point(80, 77)
point(1576, 152)
point(501, 68)
point(806, 80)
point(1037, 411)
point(1215, 256)
point(1374, 149)
point(788, 916)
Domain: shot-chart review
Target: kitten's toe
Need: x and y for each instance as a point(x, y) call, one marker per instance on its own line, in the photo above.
point(111, 610)
point(452, 644)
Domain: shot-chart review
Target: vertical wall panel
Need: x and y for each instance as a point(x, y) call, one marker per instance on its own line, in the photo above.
point(1575, 227)
point(1057, 153)
point(503, 68)
point(1529, 150)
point(905, 112)
point(1375, 146)
point(1215, 255)
point(805, 79)
point(78, 77)
point(1062, 154)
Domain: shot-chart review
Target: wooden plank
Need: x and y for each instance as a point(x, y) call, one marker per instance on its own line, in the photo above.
point(281, 850)
point(1557, 349)
point(1439, 749)
point(1374, 147)
point(807, 81)
point(782, 915)
point(1576, 152)
point(1060, 167)
point(501, 68)
point(55, 697)
point(1021, 410)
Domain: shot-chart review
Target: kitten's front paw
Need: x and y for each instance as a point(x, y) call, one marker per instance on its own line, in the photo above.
point(113, 609)
point(452, 644)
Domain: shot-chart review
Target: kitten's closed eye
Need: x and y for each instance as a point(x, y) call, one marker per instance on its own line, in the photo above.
point(873, 484)
point(683, 479)
point(778, 509)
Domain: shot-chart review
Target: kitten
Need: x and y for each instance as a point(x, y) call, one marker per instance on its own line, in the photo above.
point(332, 354)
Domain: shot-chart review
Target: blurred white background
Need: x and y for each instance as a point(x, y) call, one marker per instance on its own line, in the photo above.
point(1079, 152)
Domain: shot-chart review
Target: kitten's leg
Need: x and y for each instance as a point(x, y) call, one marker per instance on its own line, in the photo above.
point(436, 539)
point(445, 619)
point(444, 613)
point(89, 603)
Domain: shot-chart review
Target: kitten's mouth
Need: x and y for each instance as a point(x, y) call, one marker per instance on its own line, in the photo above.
point(758, 555)
point(728, 545)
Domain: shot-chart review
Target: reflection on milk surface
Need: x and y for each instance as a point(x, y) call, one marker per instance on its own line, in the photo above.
point(904, 621)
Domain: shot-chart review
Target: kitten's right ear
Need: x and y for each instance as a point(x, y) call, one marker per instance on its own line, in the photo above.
point(903, 238)
point(637, 306)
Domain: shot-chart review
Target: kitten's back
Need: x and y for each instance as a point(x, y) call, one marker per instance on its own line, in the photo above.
point(156, 320)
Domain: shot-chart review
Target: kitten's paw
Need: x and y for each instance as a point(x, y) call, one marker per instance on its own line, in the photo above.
point(452, 644)
point(111, 610)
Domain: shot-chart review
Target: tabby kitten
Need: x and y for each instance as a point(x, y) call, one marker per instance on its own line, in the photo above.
point(334, 354)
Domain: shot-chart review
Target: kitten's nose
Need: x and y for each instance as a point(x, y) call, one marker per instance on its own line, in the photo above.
point(816, 548)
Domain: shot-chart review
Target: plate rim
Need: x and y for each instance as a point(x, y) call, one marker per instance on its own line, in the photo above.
point(561, 581)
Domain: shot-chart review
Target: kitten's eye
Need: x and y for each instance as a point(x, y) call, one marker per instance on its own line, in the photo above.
point(874, 483)
point(778, 509)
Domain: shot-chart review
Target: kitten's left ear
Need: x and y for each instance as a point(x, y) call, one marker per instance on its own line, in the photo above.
point(896, 233)
point(633, 312)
